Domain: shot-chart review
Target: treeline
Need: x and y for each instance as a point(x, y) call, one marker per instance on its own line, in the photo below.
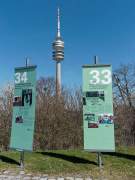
point(124, 104)
point(59, 123)
point(59, 120)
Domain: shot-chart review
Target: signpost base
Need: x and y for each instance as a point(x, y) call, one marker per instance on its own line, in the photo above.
point(22, 159)
point(99, 159)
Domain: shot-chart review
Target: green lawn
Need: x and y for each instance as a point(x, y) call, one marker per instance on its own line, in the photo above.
point(73, 162)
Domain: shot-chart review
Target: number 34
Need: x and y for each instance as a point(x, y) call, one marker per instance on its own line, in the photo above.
point(105, 74)
point(20, 77)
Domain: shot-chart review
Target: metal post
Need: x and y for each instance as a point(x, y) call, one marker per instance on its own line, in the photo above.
point(99, 159)
point(95, 59)
point(22, 159)
point(27, 61)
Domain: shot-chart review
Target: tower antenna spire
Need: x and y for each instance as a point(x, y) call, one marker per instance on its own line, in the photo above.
point(58, 22)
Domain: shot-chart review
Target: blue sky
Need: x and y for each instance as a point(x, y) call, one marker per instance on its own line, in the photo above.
point(89, 27)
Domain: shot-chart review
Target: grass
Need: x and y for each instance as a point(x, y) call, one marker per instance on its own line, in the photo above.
point(73, 162)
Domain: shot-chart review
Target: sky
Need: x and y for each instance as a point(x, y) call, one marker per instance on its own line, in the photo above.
point(105, 28)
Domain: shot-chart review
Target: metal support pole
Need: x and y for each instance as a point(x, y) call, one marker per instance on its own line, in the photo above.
point(27, 61)
point(99, 159)
point(95, 59)
point(22, 159)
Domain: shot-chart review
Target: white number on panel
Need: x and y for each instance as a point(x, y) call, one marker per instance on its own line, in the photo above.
point(20, 77)
point(17, 78)
point(24, 77)
point(107, 76)
point(96, 77)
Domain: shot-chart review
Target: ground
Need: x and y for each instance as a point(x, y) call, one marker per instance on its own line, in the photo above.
point(118, 165)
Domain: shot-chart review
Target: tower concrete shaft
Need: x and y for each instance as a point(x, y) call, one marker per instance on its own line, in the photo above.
point(58, 78)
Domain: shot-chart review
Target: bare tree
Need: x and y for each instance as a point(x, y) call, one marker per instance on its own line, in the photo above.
point(124, 105)
point(59, 120)
point(5, 115)
point(124, 84)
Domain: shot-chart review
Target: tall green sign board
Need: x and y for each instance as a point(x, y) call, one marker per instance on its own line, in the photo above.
point(23, 108)
point(98, 108)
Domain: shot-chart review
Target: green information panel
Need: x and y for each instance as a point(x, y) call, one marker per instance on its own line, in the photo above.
point(23, 108)
point(98, 108)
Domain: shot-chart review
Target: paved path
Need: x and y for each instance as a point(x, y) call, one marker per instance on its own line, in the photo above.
point(9, 175)
point(21, 175)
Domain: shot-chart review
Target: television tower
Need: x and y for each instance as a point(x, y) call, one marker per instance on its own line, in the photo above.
point(58, 55)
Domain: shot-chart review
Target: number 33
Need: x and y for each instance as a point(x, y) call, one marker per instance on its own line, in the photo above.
point(96, 75)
